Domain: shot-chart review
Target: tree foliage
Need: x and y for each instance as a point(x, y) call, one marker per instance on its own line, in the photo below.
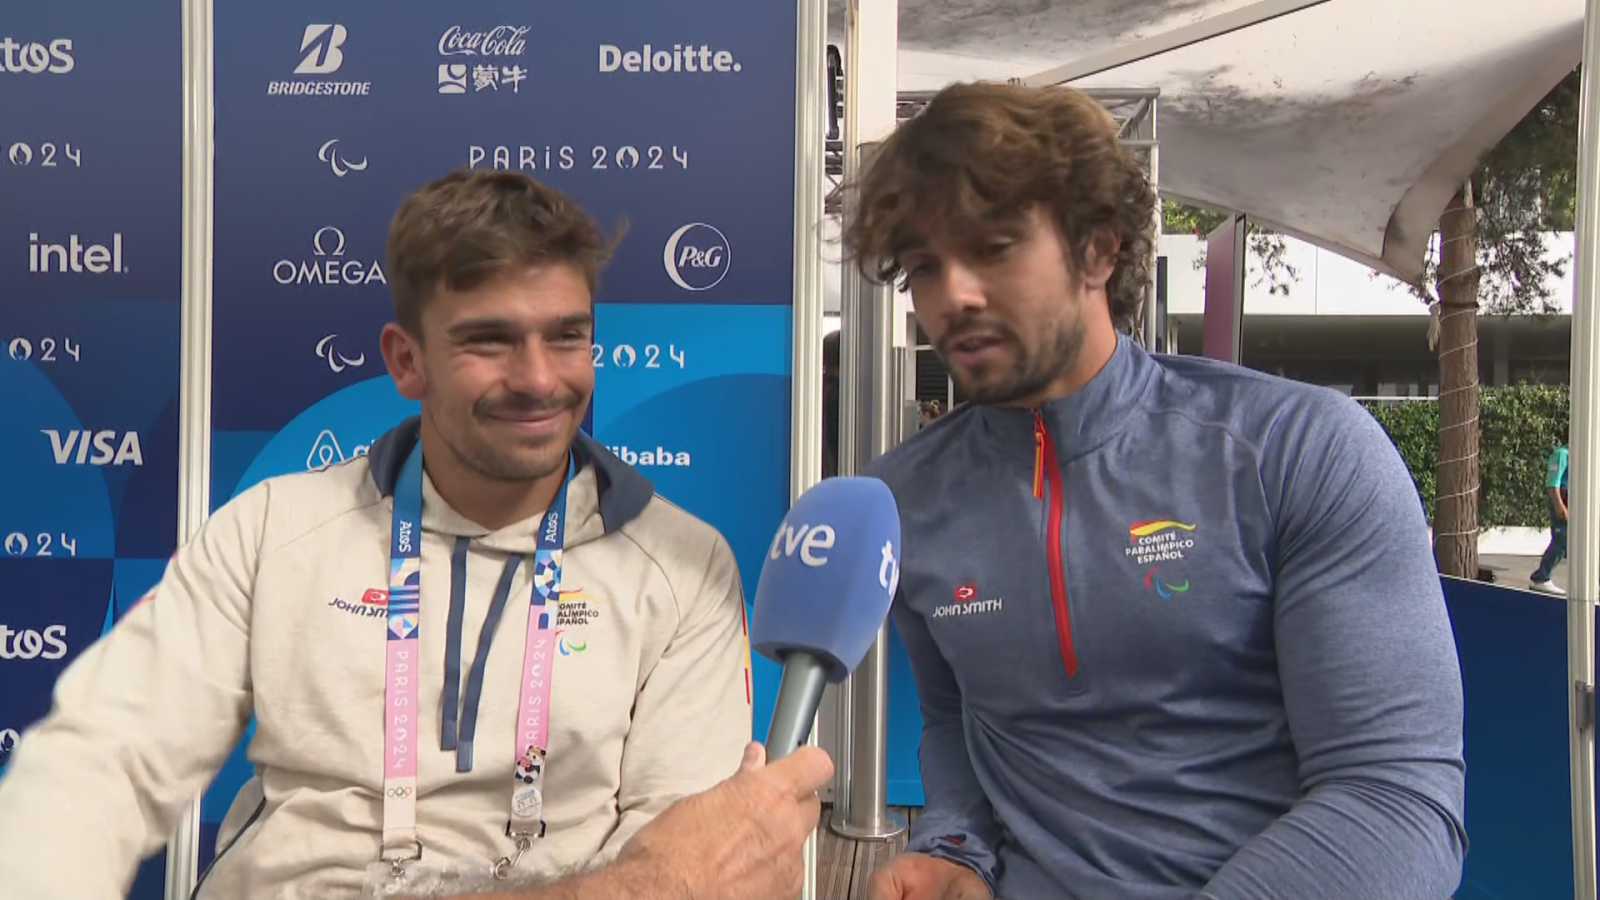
point(1524, 189)
point(1270, 249)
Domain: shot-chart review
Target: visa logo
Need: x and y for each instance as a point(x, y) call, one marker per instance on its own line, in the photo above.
point(95, 448)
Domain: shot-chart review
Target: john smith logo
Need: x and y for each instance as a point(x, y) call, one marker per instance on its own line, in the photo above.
point(374, 604)
point(697, 257)
point(967, 603)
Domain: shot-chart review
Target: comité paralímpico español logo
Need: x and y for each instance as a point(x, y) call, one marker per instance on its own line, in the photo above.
point(1160, 541)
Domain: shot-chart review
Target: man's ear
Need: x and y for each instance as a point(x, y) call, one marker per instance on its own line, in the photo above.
point(402, 355)
point(1100, 258)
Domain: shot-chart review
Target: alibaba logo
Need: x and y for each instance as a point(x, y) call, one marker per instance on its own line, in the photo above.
point(1145, 529)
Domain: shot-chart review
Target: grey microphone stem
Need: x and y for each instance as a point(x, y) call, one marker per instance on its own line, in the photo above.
point(799, 695)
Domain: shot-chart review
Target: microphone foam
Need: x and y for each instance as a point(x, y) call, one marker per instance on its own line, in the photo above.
point(829, 575)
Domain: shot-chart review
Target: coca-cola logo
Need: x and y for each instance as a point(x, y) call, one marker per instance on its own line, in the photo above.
point(501, 40)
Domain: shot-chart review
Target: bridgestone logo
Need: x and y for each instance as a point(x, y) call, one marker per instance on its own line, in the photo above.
point(319, 88)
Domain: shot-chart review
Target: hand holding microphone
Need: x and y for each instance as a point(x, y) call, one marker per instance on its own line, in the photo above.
point(825, 590)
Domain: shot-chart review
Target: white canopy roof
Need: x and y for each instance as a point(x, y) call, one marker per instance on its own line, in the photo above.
point(1348, 124)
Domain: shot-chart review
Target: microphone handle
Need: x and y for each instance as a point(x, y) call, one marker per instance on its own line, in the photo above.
point(799, 695)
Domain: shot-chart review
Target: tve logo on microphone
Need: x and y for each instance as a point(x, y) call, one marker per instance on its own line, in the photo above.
point(830, 575)
point(812, 542)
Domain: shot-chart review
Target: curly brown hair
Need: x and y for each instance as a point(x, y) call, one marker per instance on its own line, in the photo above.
point(982, 153)
point(467, 228)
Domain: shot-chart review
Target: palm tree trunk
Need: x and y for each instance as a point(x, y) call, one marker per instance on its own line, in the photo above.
point(1455, 520)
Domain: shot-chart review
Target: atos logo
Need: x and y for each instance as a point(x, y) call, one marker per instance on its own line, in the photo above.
point(81, 446)
point(50, 644)
point(35, 57)
point(697, 257)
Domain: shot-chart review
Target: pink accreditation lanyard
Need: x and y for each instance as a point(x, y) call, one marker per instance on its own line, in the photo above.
point(400, 842)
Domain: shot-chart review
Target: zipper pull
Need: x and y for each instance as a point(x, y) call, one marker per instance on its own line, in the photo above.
point(1038, 455)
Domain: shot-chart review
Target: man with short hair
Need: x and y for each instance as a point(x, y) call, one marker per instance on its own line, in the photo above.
point(1555, 486)
point(552, 656)
point(1174, 624)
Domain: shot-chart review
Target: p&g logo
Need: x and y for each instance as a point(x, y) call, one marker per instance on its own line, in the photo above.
point(697, 257)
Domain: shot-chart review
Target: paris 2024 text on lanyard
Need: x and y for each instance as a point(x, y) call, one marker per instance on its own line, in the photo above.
point(400, 720)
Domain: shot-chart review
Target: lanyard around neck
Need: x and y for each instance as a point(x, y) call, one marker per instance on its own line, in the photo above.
point(401, 712)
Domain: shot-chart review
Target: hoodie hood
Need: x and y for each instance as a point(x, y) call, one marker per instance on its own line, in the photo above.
point(605, 495)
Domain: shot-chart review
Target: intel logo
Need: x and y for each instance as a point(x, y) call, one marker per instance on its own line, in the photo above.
point(697, 257)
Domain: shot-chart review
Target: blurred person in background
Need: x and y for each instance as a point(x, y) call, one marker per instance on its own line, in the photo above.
point(1555, 487)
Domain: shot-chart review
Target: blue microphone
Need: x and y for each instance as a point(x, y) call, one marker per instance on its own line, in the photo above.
point(825, 589)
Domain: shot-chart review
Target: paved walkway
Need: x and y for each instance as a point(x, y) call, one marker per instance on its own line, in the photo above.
point(1513, 571)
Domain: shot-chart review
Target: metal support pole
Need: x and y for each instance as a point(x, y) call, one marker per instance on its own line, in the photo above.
point(869, 411)
point(1585, 467)
point(194, 391)
point(810, 128)
point(870, 425)
point(1148, 129)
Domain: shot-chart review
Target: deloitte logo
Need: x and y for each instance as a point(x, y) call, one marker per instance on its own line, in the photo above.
point(697, 257)
point(659, 457)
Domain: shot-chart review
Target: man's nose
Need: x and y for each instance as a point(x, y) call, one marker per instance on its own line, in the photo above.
point(532, 370)
point(961, 289)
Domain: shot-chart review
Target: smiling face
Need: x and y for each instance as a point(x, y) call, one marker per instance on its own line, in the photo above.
point(503, 371)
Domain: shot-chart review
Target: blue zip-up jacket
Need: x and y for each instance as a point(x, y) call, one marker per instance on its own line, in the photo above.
point(1179, 635)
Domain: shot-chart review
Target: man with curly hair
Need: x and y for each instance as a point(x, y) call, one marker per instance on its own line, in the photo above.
point(1174, 624)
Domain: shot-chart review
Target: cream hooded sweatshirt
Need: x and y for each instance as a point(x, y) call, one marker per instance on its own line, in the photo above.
point(269, 611)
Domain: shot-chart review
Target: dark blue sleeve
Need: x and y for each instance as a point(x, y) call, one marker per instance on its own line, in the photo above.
point(1370, 677)
point(957, 822)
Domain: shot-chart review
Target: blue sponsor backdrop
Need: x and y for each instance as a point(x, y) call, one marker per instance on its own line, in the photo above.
point(328, 113)
point(90, 262)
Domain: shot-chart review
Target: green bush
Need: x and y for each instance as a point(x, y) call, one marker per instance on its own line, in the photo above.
point(1518, 427)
